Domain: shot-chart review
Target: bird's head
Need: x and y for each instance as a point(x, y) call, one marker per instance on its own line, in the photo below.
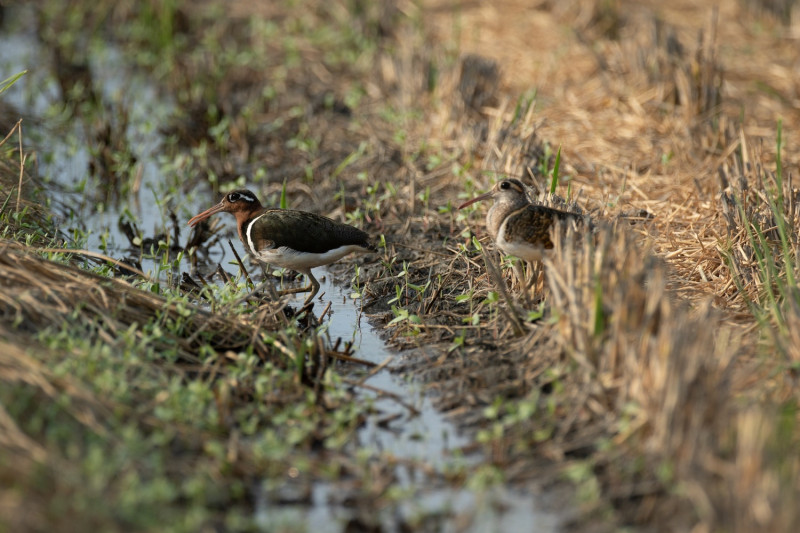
point(241, 203)
point(510, 191)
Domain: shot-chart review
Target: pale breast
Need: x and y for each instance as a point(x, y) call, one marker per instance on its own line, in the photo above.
point(287, 258)
point(526, 251)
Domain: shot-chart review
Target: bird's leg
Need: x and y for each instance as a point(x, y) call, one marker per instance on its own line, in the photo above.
point(313, 286)
point(295, 290)
point(520, 267)
point(519, 272)
point(530, 286)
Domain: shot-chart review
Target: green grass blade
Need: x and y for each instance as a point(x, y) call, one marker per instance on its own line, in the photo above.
point(11, 80)
point(349, 160)
point(556, 167)
point(8, 198)
point(599, 314)
point(779, 162)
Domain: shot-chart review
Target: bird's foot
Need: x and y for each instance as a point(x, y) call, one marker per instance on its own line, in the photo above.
point(295, 290)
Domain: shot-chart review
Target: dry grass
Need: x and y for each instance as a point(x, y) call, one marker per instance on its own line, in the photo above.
point(38, 293)
point(661, 378)
point(668, 341)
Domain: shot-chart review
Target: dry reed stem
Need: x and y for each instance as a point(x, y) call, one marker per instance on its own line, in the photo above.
point(38, 293)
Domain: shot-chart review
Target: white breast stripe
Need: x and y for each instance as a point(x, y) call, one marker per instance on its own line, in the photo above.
point(249, 236)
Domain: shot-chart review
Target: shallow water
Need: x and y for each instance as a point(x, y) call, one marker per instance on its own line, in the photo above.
point(62, 157)
point(427, 437)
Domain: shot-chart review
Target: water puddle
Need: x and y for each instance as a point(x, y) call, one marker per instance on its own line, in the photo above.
point(426, 436)
point(132, 110)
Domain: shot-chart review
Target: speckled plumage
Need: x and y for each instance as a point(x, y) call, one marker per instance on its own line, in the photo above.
point(288, 238)
point(519, 227)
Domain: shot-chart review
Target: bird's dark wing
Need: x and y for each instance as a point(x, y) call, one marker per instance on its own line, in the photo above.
point(305, 232)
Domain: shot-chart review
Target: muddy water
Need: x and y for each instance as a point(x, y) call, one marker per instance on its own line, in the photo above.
point(426, 436)
point(63, 160)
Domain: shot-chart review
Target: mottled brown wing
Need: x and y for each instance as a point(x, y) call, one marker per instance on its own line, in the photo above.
point(532, 224)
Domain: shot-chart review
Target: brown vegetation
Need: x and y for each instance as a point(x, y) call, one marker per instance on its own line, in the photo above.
point(661, 375)
point(668, 389)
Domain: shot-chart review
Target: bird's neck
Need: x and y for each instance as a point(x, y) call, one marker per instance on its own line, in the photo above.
point(244, 220)
point(497, 215)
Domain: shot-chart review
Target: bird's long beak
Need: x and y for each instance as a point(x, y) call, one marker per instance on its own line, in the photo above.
point(207, 213)
point(483, 196)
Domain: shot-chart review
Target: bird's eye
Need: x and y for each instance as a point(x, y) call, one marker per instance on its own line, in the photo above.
point(505, 185)
point(233, 197)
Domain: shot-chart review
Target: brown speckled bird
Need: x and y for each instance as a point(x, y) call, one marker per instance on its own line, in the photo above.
point(287, 238)
point(519, 227)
